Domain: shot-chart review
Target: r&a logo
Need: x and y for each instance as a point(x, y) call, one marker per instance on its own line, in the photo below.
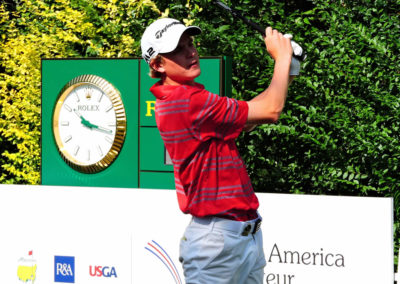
point(100, 271)
point(64, 269)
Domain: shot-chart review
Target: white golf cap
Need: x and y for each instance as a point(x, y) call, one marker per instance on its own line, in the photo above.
point(163, 36)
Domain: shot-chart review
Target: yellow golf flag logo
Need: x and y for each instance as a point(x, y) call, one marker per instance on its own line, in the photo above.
point(26, 271)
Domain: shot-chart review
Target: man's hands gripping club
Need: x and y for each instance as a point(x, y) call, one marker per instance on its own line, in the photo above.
point(278, 45)
point(294, 64)
point(267, 106)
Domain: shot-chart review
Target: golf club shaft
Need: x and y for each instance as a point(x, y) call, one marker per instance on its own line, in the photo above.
point(235, 13)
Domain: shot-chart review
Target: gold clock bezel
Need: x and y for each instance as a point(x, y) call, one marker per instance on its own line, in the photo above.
point(120, 133)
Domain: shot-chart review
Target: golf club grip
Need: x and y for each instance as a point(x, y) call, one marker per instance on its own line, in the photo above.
point(253, 25)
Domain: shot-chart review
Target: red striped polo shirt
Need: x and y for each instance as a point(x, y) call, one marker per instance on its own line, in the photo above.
point(199, 129)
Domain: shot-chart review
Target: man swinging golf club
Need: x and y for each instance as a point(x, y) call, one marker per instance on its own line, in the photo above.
point(223, 242)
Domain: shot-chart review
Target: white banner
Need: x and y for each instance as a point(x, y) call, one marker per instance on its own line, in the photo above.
point(327, 239)
point(109, 235)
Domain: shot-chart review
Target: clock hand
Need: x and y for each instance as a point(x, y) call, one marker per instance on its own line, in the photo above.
point(90, 125)
point(85, 122)
point(102, 129)
point(78, 113)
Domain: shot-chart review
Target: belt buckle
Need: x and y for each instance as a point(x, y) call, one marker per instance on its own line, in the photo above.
point(257, 226)
point(246, 230)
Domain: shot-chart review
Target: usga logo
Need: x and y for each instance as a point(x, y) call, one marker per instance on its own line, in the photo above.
point(102, 271)
point(64, 269)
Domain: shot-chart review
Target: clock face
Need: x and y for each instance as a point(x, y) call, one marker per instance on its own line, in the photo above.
point(89, 123)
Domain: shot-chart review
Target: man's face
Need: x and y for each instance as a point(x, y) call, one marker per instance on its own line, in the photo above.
point(182, 65)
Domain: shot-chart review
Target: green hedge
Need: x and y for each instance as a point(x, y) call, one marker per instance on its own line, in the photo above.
point(340, 128)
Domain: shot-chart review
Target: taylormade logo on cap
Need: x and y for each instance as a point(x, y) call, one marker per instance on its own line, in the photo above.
point(163, 36)
point(160, 33)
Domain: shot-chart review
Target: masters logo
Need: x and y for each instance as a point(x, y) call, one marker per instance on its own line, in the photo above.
point(27, 269)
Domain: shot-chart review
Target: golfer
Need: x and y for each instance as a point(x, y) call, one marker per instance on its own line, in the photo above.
point(223, 242)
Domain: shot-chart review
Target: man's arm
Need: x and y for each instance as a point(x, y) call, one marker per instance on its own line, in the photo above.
point(267, 106)
point(250, 127)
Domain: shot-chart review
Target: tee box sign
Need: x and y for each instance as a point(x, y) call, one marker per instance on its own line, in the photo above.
point(98, 125)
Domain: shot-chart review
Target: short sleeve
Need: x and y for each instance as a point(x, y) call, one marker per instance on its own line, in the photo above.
point(213, 116)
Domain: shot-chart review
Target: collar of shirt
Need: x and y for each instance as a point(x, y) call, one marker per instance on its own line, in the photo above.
point(161, 91)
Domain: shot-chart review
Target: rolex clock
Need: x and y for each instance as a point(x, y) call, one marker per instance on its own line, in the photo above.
point(89, 123)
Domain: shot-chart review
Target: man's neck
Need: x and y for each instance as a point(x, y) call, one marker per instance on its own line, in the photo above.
point(171, 82)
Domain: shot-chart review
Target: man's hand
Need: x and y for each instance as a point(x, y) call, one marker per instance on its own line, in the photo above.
point(294, 64)
point(267, 106)
point(278, 46)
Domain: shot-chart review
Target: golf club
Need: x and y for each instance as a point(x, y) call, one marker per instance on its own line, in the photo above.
point(298, 51)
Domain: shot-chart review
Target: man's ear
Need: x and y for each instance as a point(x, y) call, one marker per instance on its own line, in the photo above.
point(157, 65)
